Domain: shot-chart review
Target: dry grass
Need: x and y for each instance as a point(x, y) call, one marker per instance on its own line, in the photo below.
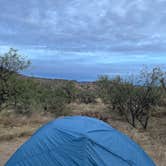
point(7, 148)
point(15, 126)
point(14, 130)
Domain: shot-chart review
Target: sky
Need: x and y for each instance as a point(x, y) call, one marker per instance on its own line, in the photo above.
point(81, 39)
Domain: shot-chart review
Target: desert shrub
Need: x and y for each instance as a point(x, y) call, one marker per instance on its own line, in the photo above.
point(131, 101)
point(86, 96)
point(104, 86)
point(163, 89)
point(52, 100)
point(70, 91)
point(10, 64)
point(24, 95)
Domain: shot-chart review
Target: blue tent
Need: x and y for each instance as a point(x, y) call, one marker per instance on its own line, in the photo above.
point(79, 141)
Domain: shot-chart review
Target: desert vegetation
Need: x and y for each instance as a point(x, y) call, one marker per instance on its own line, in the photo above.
point(26, 102)
point(134, 101)
point(25, 95)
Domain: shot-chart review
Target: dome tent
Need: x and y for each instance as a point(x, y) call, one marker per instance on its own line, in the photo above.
point(79, 141)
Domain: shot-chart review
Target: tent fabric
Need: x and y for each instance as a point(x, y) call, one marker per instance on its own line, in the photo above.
point(79, 141)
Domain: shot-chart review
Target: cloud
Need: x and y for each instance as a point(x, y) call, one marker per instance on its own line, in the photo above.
point(123, 25)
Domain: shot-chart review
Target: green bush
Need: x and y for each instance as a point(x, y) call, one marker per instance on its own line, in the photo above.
point(70, 91)
point(10, 64)
point(133, 102)
point(85, 96)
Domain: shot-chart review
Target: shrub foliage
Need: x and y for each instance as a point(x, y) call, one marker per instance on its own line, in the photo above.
point(133, 101)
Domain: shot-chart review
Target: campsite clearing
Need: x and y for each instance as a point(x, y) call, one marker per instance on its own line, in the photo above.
point(16, 130)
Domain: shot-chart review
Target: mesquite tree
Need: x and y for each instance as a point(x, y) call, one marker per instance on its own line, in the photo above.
point(132, 101)
point(10, 64)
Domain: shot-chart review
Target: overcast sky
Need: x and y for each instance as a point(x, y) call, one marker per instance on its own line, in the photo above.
point(122, 25)
point(120, 28)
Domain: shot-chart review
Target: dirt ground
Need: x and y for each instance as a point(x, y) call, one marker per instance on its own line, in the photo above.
point(15, 131)
point(8, 147)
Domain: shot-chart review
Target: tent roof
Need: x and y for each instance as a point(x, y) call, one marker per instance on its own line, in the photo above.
point(79, 141)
